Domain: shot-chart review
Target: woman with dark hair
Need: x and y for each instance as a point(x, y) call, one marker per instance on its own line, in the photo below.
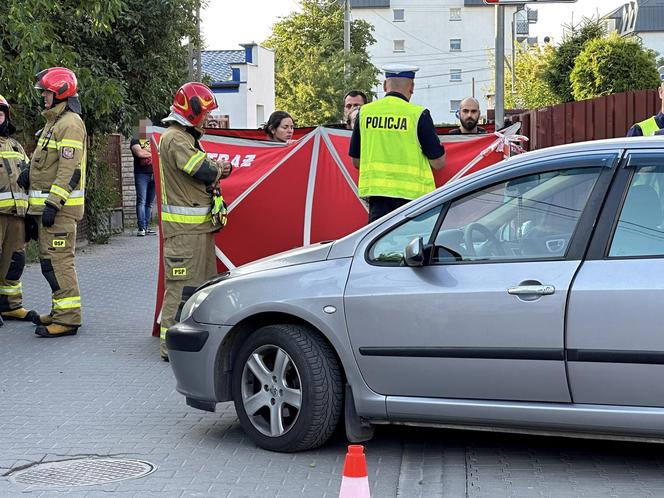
point(279, 127)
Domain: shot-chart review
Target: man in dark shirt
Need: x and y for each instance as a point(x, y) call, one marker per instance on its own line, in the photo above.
point(469, 115)
point(395, 159)
point(143, 180)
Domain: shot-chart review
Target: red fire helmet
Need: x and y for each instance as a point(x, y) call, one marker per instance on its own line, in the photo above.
point(192, 101)
point(59, 80)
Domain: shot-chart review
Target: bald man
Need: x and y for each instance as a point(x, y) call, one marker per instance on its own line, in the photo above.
point(469, 115)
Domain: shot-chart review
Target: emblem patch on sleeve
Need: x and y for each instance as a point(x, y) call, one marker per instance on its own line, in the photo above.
point(67, 152)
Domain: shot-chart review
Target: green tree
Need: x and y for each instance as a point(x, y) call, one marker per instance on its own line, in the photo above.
point(613, 65)
point(530, 90)
point(309, 72)
point(128, 61)
point(128, 56)
point(561, 64)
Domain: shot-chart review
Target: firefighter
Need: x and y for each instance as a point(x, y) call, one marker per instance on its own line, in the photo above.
point(13, 206)
point(192, 209)
point(56, 182)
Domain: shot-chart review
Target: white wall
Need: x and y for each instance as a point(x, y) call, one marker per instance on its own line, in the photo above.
point(256, 89)
point(260, 85)
point(654, 41)
point(426, 31)
point(234, 105)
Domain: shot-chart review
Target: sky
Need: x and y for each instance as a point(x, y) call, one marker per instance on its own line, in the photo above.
point(226, 23)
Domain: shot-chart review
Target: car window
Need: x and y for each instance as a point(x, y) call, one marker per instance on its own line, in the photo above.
point(639, 231)
point(390, 247)
point(531, 217)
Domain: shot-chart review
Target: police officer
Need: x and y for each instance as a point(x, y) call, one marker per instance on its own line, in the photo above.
point(192, 209)
point(395, 146)
point(56, 180)
point(13, 206)
point(653, 124)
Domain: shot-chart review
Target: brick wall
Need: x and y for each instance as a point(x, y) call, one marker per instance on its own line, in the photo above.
point(128, 189)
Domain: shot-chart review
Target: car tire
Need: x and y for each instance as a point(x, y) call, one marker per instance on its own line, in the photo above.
point(271, 367)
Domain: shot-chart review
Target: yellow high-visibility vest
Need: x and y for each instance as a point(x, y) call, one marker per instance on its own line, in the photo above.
point(391, 160)
point(649, 127)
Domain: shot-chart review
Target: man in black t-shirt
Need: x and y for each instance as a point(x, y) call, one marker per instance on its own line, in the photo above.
point(143, 180)
point(469, 115)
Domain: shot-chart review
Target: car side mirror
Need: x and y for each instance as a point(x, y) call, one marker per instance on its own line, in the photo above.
point(414, 253)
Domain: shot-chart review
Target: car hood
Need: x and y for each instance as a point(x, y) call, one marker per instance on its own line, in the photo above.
point(299, 256)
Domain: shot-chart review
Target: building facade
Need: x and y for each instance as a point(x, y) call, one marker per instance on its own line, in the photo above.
point(243, 82)
point(641, 19)
point(452, 41)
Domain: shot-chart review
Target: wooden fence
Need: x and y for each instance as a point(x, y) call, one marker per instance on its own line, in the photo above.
point(595, 119)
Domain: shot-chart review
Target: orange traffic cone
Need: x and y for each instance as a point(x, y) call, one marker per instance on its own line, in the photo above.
point(355, 482)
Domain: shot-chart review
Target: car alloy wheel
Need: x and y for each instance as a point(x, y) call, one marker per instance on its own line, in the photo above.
point(287, 387)
point(271, 392)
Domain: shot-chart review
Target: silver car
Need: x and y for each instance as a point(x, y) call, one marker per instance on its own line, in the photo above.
point(527, 297)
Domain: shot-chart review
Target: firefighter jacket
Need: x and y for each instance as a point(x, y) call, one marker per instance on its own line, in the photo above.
point(13, 199)
point(187, 177)
point(57, 169)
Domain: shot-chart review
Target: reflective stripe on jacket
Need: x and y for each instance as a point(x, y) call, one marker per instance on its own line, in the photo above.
point(185, 200)
point(391, 160)
point(13, 199)
point(57, 169)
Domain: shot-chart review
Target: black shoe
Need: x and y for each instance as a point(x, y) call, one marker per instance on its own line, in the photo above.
point(56, 330)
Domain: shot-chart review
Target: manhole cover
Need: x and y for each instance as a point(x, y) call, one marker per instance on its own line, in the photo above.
point(82, 472)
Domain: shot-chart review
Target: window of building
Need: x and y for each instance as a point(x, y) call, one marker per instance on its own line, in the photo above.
point(399, 46)
point(455, 74)
point(454, 105)
point(398, 15)
point(455, 45)
point(455, 14)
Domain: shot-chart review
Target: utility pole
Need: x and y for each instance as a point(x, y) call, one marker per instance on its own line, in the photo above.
point(500, 66)
point(194, 52)
point(346, 37)
point(199, 63)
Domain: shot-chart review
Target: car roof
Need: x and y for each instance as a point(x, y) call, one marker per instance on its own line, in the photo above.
point(593, 145)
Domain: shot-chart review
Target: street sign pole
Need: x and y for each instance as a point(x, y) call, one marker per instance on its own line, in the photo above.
point(500, 66)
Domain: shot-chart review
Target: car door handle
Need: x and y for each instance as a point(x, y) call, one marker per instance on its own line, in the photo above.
point(532, 290)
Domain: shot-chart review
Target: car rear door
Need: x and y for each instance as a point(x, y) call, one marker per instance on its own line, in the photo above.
point(485, 319)
point(615, 330)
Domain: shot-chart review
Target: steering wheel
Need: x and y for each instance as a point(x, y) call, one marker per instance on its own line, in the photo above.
point(490, 238)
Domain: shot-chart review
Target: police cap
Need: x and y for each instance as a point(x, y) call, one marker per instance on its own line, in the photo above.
point(400, 71)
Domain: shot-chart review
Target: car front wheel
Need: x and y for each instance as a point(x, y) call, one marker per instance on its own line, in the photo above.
point(287, 388)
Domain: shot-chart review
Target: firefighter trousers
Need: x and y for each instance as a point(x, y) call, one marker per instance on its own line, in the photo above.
point(57, 245)
point(189, 260)
point(12, 261)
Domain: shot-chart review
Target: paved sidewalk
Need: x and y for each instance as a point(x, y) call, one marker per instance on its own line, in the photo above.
point(105, 392)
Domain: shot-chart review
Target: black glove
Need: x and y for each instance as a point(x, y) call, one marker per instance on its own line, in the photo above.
point(23, 179)
point(48, 216)
point(31, 228)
